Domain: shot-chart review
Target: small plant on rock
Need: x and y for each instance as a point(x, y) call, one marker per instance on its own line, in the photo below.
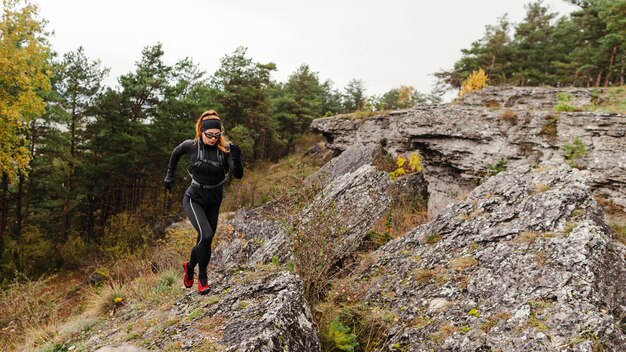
point(414, 165)
point(563, 105)
point(574, 152)
point(497, 168)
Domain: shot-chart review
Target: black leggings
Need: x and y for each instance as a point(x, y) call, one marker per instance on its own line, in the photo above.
point(204, 220)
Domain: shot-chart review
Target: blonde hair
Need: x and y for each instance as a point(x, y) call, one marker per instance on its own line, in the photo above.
point(223, 142)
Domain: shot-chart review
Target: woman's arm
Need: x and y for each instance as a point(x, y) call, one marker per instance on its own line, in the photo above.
point(181, 149)
point(234, 161)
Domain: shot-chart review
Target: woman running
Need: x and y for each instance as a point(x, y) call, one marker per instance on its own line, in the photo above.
point(211, 156)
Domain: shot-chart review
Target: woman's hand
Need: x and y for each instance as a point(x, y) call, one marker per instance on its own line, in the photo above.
point(169, 179)
point(235, 151)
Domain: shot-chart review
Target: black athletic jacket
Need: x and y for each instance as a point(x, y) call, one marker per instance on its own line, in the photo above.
point(205, 173)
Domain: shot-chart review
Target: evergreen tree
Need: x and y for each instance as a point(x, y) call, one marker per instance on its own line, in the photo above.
point(77, 83)
point(331, 99)
point(243, 88)
point(354, 96)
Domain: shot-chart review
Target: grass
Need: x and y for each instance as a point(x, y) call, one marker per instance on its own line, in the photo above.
point(619, 231)
point(549, 128)
point(509, 116)
point(612, 99)
point(462, 263)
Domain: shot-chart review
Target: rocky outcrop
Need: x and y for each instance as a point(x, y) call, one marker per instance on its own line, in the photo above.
point(531, 98)
point(462, 144)
point(524, 263)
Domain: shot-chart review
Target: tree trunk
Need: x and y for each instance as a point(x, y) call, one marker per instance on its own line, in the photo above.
point(599, 78)
point(67, 207)
point(17, 232)
point(621, 74)
point(611, 62)
point(4, 209)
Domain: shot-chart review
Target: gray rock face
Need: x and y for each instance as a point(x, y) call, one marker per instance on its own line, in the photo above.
point(529, 97)
point(253, 238)
point(525, 263)
point(350, 160)
point(358, 198)
point(460, 143)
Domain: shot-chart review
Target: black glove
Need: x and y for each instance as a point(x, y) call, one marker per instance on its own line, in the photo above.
point(235, 151)
point(169, 180)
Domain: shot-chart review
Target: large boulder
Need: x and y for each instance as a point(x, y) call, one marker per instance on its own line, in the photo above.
point(462, 144)
point(525, 263)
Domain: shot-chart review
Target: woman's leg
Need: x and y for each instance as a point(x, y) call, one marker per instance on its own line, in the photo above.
point(198, 218)
point(212, 212)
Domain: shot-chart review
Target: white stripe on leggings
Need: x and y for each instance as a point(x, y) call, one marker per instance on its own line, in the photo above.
point(197, 221)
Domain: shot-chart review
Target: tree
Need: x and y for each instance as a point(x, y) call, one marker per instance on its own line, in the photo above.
point(296, 103)
point(24, 78)
point(331, 99)
point(243, 87)
point(77, 83)
point(354, 96)
point(533, 48)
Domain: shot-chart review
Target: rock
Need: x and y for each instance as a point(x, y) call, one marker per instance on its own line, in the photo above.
point(529, 97)
point(348, 161)
point(274, 317)
point(354, 202)
point(96, 278)
point(526, 262)
point(461, 144)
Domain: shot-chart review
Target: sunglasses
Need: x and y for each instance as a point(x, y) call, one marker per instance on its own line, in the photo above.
point(210, 135)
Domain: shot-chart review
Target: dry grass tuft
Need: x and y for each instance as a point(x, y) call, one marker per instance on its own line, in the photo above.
point(437, 274)
point(509, 116)
point(542, 187)
point(526, 237)
point(462, 263)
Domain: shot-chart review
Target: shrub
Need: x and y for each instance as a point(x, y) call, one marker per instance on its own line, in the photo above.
point(341, 337)
point(549, 128)
point(497, 168)
point(124, 234)
point(36, 253)
point(414, 165)
point(509, 116)
point(476, 81)
point(574, 152)
point(73, 251)
point(563, 105)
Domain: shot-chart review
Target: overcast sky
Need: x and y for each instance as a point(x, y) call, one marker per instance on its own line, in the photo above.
point(384, 43)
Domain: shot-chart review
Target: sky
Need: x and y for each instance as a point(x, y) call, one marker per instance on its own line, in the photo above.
point(384, 43)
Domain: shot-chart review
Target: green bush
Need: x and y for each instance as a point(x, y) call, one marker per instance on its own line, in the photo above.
point(497, 168)
point(574, 152)
point(73, 251)
point(563, 105)
point(35, 252)
point(124, 234)
point(340, 337)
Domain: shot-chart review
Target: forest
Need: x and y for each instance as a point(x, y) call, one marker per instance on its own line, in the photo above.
point(83, 164)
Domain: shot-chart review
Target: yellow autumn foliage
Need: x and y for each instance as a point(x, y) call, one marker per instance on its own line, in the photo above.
point(476, 81)
point(24, 77)
point(414, 165)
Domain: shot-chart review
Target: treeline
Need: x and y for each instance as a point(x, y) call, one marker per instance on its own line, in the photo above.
point(82, 164)
point(587, 48)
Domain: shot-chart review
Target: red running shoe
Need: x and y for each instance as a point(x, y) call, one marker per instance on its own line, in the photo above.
point(188, 282)
point(203, 289)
